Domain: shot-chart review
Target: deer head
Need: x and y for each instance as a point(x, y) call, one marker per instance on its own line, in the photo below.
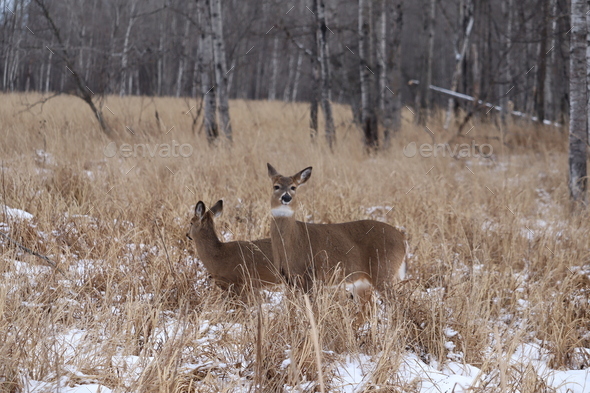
point(284, 190)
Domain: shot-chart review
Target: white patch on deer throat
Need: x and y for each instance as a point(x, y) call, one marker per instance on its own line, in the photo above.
point(282, 211)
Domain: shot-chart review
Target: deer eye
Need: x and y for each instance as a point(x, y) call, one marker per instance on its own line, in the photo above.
point(276, 187)
point(293, 188)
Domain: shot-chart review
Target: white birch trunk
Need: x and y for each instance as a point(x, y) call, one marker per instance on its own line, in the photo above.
point(125, 53)
point(220, 67)
point(48, 74)
point(458, 69)
point(367, 115)
point(426, 94)
point(507, 74)
point(297, 76)
point(272, 91)
point(205, 65)
point(161, 57)
point(549, 92)
point(325, 77)
point(182, 61)
point(291, 71)
point(578, 132)
point(381, 55)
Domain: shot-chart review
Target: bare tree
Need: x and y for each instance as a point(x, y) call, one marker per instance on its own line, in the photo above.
point(297, 76)
point(459, 56)
point(82, 91)
point(272, 91)
point(204, 61)
point(393, 97)
point(220, 67)
point(578, 135)
point(539, 95)
point(315, 82)
point(426, 93)
point(368, 116)
point(325, 78)
point(507, 9)
point(125, 51)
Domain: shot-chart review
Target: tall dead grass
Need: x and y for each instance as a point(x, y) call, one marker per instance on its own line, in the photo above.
point(497, 255)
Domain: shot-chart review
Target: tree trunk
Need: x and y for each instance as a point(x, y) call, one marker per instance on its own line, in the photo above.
point(315, 84)
point(393, 99)
point(368, 116)
point(161, 57)
point(549, 92)
point(426, 94)
point(459, 60)
point(325, 77)
point(205, 65)
point(291, 71)
point(381, 57)
point(542, 65)
point(578, 132)
point(182, 60)
point(272, 91)
point(125, 52)
point(220, 67)
point(48, 75)
point(297, 76)
point(507, 74)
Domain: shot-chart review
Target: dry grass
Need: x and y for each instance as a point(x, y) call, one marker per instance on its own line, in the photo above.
point(498, 255)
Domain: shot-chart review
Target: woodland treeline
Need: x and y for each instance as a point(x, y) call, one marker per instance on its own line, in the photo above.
point(377, 56)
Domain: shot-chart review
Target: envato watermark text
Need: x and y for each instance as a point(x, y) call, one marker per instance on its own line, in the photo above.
point(148, 150)
point(463, 150)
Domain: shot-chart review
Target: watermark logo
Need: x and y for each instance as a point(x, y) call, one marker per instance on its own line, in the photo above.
point(145, 150)
point(463, 150)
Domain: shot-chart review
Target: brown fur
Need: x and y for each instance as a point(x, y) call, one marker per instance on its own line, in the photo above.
point(361, 249)
point(232, 265)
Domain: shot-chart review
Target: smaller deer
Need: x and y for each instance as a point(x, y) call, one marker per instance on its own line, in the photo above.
point(369, 253)
point(232, 265)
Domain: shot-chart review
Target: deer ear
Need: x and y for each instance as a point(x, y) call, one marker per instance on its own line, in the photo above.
point(272, 172)
point(200, 209)
point(302, 176)
point(217, 209)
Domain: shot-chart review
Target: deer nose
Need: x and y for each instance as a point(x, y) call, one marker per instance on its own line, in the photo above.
point(286, 198)
point(189, 236)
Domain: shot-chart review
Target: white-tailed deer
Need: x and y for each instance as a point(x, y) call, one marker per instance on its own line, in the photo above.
point(233, 264)
point(369, 253)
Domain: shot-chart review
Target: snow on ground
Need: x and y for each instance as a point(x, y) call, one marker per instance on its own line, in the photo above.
point(15, 214)
point(351, 373)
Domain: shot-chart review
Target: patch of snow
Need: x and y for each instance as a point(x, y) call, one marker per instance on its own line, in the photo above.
point(354, 373)
point(16, 214)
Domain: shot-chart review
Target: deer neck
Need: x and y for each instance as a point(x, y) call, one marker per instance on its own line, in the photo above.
point(282, 234)
point(208, 244)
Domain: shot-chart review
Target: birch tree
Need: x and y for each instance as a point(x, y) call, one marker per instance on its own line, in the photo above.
point(459, 56)
point(507, 8)
point(125, 51)
point(325, 79)
point(425, 92)
point(368, 116)
point(220, 67)
point(315, 82)
point(272, 91)
point(578, 132)
point(204, 62)
point(392, 96)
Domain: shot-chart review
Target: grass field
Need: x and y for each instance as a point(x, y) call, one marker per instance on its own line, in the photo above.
point(497, 300)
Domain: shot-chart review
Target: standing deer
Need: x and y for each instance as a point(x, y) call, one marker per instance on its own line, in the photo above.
point(369, 253)
point(230, 264)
